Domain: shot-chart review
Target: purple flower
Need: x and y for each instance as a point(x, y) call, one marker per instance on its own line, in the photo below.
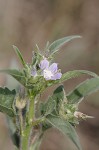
point(33, 72)
point(50, 72)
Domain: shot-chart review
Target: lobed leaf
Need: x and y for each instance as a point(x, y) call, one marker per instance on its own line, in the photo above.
point(19, 55)
point(66, 128)
point(84, 89)
point(6, 101)
point(54, 47)
point(18, 75)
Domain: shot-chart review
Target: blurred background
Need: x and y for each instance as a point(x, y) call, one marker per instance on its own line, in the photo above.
point(28, 22)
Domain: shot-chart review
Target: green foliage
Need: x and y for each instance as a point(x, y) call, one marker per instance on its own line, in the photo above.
point(13, 132)
point(62, 121)
point(66, 128)
point(18, 75)
point(53, 101)
point(19, 55)
point(59, 93)
point(7, 98)
point(84, 89)
point(67, 112)
point(58, 105)
point(37, 143)
point(49, 106)
point(36, 58)
point(71, 74)
point(54, 47)
point(59, 111)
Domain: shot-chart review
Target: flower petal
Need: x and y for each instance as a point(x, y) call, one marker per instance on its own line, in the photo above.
point(47, 74)
point(44, 64)
point(58, 75)
point(53, 68)
point(33, 72)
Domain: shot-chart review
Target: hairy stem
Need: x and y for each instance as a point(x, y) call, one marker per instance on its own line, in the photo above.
point(28, 128)
point(21, 126)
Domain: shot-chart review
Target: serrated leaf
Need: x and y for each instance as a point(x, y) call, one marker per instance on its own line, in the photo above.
point(6, 101)
point(66, 128)
point(19, 55)
point(72, 74)
point(84, 89)
point(54, 47)
point(18, 75)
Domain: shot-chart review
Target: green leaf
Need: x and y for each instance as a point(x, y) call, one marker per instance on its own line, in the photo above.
point(6, 101)
point(59, 93)
point(36, 145)
point(84, 89)
point(19, 55)
point(54, 47)
point(13, 131)
point(18, 75)
point(49, 106)
point(53, 101)
point(37, 57)
point(72, 74)
point(66, 128)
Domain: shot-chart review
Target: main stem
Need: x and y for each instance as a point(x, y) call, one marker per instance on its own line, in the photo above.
point(25, 137)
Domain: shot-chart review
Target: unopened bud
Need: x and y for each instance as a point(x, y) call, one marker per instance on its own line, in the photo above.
point(20, 103)
point(78, 115)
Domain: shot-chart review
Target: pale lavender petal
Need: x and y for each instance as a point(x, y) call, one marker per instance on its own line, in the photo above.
point(44, 64)
point(58, 75)
point(33, 72)
point(53, 68)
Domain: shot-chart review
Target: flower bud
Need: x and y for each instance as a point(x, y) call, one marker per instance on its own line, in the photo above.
point(78, 115)
point(20, 103)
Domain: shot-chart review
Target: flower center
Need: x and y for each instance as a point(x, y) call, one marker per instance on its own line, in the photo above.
point(47, 74)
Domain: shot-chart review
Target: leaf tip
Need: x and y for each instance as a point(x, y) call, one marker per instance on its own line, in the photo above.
point(78, 36)
point(14, 47)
